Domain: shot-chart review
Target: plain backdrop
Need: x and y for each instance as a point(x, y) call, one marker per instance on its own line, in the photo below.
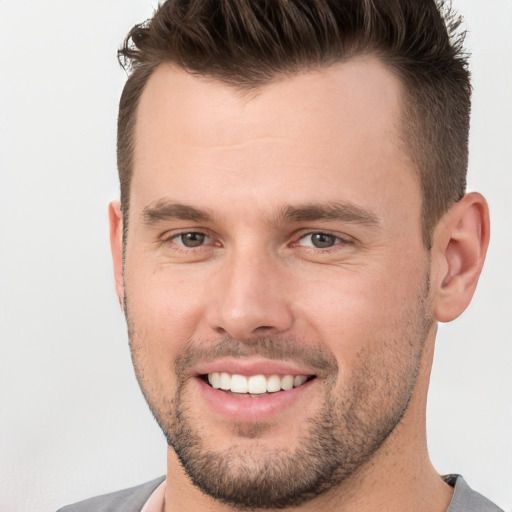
point(72, 420)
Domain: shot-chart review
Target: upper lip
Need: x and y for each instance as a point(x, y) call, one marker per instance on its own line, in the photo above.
point(252, 366)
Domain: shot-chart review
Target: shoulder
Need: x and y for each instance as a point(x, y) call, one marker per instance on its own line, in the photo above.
point(464, 499)
point(127, 500)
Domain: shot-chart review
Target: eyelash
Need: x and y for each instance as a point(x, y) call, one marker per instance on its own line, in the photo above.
point(338, 241)
point(171, 239)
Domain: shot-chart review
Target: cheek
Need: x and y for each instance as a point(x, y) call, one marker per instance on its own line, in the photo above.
point(166, 302)
point(351, 309)
point(163, 312)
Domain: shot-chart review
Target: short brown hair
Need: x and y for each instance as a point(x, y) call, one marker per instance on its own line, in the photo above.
point(247, 43)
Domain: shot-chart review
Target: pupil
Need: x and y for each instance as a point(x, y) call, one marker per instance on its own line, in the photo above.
point(321, 240)
point(192, 239)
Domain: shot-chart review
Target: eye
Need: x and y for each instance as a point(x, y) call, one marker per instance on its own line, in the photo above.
point(319, 240)
point(192, 239)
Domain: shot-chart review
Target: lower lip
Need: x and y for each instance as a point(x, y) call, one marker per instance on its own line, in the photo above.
point(251, 408)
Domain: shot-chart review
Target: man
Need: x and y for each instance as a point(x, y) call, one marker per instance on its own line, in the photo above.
point(293, 224)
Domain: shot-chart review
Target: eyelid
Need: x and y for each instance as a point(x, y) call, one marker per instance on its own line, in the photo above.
point(179, 239)
point(311, 246)
point(341, 237)
point(171, 235)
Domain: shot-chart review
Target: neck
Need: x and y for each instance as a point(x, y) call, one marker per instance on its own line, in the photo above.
point(398, 478)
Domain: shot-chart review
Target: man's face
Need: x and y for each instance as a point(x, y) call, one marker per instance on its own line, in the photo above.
point(274, 239)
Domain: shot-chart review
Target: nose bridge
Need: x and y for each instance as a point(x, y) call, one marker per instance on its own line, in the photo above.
point(251, 299)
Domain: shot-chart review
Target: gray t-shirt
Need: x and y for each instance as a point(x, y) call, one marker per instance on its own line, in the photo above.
point(132, 500)
point(465, 499)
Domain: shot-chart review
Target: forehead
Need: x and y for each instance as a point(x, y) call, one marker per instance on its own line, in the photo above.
point(318, 133)
point(356, 91)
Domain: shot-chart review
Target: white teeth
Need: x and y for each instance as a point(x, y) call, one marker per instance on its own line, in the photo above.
point(214, 379)
point(238, 384)
point(225, 381)
point(274, 383)
point(255, 384)
point(299, 380)
point(287, 382)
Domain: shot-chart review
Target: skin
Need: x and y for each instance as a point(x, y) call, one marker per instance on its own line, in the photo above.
point(369, 302)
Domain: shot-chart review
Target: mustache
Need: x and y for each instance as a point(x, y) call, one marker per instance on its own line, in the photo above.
point(197, 352)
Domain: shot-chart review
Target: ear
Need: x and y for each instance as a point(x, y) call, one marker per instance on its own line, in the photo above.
point(459, 247)
point(115, 218)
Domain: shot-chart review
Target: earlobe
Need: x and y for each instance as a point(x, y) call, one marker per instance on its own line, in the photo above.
point(115, 217)
point(460, 245)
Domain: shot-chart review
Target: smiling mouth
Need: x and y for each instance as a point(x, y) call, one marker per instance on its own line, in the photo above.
point(254, 385)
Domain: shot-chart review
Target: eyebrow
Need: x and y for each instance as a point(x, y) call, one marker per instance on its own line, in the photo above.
point(164, 210)
point(344, 212)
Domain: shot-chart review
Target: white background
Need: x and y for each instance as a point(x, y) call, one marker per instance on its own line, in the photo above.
point(72, 421)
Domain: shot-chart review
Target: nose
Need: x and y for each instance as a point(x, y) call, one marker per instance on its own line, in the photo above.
point(251, 298)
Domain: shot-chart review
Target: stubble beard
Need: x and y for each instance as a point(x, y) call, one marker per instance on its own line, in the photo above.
point(348, 429)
